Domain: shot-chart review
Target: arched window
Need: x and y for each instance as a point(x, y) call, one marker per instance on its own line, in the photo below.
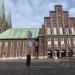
point(72, 30)
point(54, 31)
point(48, 31)
point(60, 30)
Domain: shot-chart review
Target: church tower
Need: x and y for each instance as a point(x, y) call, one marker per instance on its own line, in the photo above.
point(8, 21)
point(5, 21)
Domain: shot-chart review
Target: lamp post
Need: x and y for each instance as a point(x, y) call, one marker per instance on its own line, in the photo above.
point(68, 43)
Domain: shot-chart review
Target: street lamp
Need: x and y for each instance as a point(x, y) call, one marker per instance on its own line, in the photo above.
point(68, 43)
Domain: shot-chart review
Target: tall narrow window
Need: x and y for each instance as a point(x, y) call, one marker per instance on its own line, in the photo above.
point(67, 31)
point(54, 31)
point(69, 42)
point(55, 42)
point(6, 44)
point(24, 45)
point(17, 44)
point(49, 42)
point(48, 31)
point(72, 30)
point(62, 42)
point(74, 41)
point(0, 44)
point(60, 30)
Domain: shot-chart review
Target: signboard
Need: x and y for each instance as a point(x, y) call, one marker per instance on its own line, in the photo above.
point(29, 44)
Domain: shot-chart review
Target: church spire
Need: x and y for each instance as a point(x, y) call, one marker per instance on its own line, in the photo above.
point(2, 10)
point(8, 19)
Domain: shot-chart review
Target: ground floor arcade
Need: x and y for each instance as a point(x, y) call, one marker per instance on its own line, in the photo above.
point(58, 53)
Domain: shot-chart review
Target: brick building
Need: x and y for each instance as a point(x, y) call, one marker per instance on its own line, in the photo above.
point(56, 37)
point(15, 42)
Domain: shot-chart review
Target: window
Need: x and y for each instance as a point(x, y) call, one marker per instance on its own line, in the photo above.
point(49, 42)
point(69, 42)
point(36, 43)
point(60, 31)
point(24, 44)
point(54, 31)
point(72, 30)
point(62, 42)
point(41, 51)
point(59, 15)
point(18, 44)
point(6, 44)
point(11, 44)
point(0, 44)
point(41, 41)
point(55, 42)
point(74, 41)
point(48, 31)
point(66, 31)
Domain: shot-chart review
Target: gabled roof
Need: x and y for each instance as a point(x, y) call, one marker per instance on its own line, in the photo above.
point(15, 33)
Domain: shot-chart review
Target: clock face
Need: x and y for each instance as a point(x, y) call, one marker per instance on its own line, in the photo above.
point(29, 34)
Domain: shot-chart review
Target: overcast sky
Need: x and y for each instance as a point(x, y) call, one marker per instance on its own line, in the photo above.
point(31, 13)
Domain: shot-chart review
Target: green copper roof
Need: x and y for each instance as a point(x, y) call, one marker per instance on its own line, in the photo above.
point(14, 33)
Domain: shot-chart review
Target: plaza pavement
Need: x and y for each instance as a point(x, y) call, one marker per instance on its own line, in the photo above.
point(38, 67)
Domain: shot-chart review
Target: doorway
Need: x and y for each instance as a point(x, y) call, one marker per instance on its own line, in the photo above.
point(56, 53)
point(50, 54)
point(63, 53)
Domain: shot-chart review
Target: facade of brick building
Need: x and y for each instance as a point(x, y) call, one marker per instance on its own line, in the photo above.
point(57, 35)
point(17, 42)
